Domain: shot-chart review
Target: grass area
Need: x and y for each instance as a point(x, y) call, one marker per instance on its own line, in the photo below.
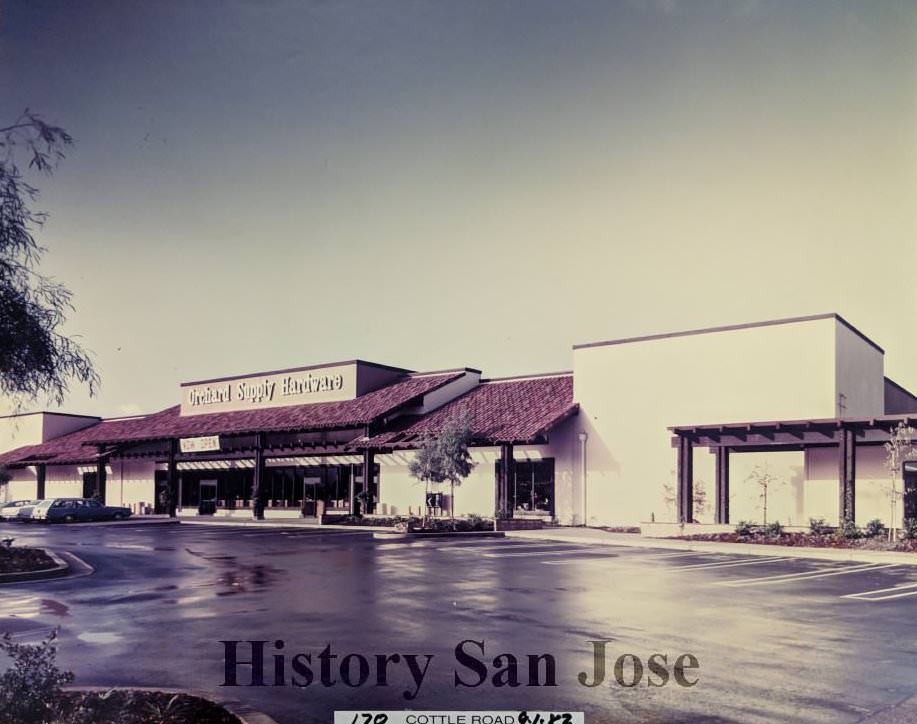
point(22, 560)
point(143, 707)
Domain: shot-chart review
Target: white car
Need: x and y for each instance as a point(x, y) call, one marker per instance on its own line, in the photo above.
point(10, 510)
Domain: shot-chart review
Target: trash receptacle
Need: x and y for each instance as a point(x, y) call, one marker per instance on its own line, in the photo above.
point(207, 507)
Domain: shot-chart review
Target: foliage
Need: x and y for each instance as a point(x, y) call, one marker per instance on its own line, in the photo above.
point(910, 528)
point(670, 497)
point(774, 530)
point(818, 526)
point(898, 449)
point(444, 457)
point(766, 481)
point(35, 357)
point(745, 528)
point(848, 529)
point(874, 528)
point(31, 688)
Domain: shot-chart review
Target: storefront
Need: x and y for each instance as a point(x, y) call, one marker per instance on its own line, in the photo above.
point(301, 443)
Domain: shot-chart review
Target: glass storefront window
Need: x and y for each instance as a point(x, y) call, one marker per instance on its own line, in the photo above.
point(531, 489)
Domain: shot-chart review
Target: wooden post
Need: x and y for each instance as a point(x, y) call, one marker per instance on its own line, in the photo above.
point(173, 478)
point(40, 475)
point(258, 478)
point(685, 493)
point(722, 485)
point(506, 476)
point(99, 491)
point(846, 476)
point(368, 476)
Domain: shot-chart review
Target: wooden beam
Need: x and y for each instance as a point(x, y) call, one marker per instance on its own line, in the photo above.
point(722, 485)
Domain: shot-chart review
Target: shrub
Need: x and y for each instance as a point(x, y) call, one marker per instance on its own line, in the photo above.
point(30, 689)
point(910, 528)
point(745, 527)
point(874, 528)
point(848, 529)
point(774, 530)
point(818, 526)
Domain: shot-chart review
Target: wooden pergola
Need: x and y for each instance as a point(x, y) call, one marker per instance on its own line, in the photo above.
point(846, 434)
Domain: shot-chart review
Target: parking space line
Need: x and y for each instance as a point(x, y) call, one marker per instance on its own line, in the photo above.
point(637, 558)
point(512, 547)
point(729, 564)
point(805, 575)
point(900, 591)
point(531, 554)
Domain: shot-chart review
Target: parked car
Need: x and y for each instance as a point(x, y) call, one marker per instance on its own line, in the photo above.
point(25, 512)
point(10, 510)
point(71, 510)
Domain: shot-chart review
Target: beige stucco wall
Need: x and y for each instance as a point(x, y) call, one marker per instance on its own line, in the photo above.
point(873, 485)
point(859, 375)
point(631, 393)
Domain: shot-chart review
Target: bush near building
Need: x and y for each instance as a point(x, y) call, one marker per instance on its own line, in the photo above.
point(32, 690)
point(874, 536)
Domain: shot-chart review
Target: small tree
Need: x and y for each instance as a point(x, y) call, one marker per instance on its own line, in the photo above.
point(898, 449)
point(444, 457)
point(766, 481)
point(670, 496)
point(35, 356)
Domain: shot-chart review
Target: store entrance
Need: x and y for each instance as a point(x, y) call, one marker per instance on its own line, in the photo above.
point(208, 497)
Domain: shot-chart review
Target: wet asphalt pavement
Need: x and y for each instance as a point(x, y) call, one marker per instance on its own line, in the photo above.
point(776, 640)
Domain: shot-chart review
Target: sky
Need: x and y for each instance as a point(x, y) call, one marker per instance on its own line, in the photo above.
point(262, 185)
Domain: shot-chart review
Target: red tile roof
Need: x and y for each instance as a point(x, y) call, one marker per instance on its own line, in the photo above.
point(66, 449)
point(362, 410)
point(516, 410)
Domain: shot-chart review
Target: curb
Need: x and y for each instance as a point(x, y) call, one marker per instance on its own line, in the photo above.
point(251, 523)
point(243, 712)
point(73, 567)
point(749, 549)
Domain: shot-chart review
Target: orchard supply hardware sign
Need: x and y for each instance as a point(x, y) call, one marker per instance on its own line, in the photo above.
point(271, 390)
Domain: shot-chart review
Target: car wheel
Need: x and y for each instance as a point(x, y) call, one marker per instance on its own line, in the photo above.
point(69, 518)
point(118, 516)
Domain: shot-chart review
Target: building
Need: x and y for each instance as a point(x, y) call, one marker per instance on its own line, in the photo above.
point(633, 434)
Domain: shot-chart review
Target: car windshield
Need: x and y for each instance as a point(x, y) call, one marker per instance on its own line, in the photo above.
point(44, 503)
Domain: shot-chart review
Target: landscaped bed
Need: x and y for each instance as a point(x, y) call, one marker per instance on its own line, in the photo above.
point(33, 689)
point(142, 707)
point(873, 537)
point(24, 560)
point(404, 523)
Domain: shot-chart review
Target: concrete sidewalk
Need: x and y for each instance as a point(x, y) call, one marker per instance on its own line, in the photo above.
point(595, 536)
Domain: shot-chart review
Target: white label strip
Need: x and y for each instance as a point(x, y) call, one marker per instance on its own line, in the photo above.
point(508, 716)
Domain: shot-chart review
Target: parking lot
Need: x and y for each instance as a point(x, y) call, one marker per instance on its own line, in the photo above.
point(777, 639)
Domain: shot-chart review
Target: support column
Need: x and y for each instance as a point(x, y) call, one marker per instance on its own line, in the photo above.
point(685, 493)
point(504, 509)
point(40, 475)
point(722, 485)
point(258, 478)
point(353, 488)
point(173, 478)
point(368, 479)
point(846, 476)
point(99, 491)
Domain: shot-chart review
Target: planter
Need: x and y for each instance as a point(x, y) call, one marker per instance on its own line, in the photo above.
point(520, 524)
